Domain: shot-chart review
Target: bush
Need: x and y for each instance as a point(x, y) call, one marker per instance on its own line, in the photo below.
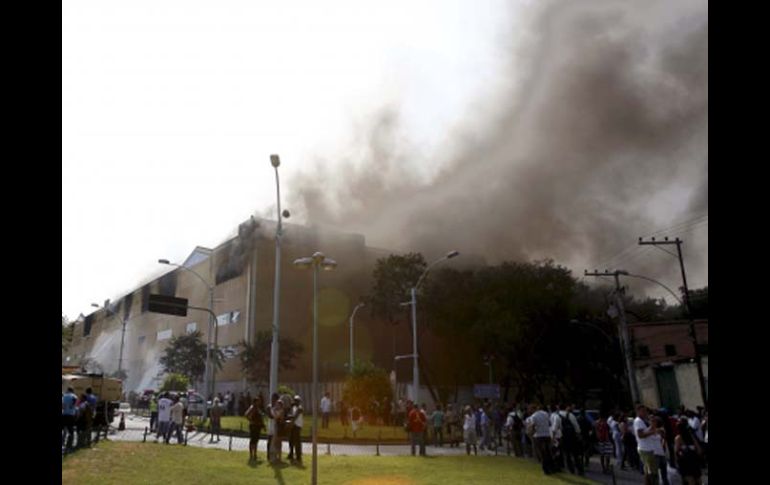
point(367, 388)
point(175, 382)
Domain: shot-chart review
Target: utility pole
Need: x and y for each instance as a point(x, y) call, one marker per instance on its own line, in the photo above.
point(623, 331)
point(678, 242)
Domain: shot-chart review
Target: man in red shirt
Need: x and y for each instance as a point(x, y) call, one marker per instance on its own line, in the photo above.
point(417, 425)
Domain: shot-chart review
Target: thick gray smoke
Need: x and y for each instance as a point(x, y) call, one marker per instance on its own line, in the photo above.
point(607, 109)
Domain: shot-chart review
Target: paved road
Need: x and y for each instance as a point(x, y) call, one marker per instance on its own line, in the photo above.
point(135, 426)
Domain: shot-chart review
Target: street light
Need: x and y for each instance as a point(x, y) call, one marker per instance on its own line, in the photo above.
point(122, 336)
point(415, 366)
point(275, 161)
point(352, 316)
point(210, 371)
point(317, 260)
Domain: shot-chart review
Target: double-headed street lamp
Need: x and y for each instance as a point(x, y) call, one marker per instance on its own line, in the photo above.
point(210, 372)
point(122, 336)
point(415, 366)
point(317, 260)
point(352, 316)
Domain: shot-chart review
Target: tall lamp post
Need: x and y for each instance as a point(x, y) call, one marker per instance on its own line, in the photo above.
point(415, 365)
point(210, 371)
point(317, 260)
point(275, 161)
point(122, 336)
point(352, 316)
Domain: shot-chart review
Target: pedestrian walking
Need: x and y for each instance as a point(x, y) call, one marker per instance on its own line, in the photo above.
point(326, 409)
point(688, 453)
point(295, 424)
point(256, 417)
point(437, 421)
point(469, 430)
point(417, 423)
point(648, 439)
point(539, 425)
point(215, 414)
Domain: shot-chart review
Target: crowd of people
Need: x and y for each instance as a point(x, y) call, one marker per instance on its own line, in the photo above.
point(559, 437)
point(81, 417)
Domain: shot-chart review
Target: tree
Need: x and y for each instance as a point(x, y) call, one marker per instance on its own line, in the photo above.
point(394, 276)
point(255, 358)
point(186, 355)
point(367, 387)
point(699, 302)
point(175, 382)
point(522, 314)
point(67, 331)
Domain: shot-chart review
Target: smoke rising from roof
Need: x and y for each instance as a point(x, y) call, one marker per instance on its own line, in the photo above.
point(606, 109)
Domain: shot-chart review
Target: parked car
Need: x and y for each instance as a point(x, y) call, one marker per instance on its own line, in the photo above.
point(195, 404)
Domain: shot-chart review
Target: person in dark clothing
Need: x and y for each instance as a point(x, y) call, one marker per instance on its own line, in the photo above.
point(572, 443)
point(587, 434)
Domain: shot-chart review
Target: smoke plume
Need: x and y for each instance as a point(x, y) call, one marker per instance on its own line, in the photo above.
point(606, 109)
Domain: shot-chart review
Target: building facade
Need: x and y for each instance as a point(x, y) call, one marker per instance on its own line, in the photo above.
point(664, 359)
point(242, 272)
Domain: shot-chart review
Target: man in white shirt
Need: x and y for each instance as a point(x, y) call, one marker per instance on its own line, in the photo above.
point(177, 420)
point(617, 437)
point(556, 436)
point(539, 424)
point(694, 422)
point(648, 439)
point(326, 408)
point(164, 415)
point(295, 442)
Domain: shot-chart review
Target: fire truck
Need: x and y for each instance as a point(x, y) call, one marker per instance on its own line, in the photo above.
point(108, 391)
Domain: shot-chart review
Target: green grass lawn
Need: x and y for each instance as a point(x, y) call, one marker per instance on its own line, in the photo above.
point(335, 431)
point(121, 463)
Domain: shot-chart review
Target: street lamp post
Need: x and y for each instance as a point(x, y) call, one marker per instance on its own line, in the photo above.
point(209, 372)
point(352, 316)
point(415, 364)
point(122, 336)
point(317, 260)
point(275, 161)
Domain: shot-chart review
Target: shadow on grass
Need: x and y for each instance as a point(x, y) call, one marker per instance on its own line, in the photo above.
point(278, 473)
point(563, 477)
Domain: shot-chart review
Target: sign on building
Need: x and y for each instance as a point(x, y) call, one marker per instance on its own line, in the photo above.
point(169, 305)
point(486, 391)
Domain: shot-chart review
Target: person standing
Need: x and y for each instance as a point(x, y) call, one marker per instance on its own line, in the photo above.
point(279, 420)
point(688, 453)
point(216, 413)
point(539, 425)
point(417, 425)
point(68, 416)
point(153, 414)
point(572, 448)
point(648, 439)
point(660, 450)
point(256, 417)
point(295, 423)
point(326, 409)
point(603, 443)
point(164, 415)
point(271, 427)
point(469, 431)
point(177, 421)
point(556, 438)
point(617, 437)
point(437, 420)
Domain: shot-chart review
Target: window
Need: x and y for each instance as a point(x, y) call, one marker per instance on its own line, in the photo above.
point(164, 335)
point(670, 350)
point(229, 317)
point(703, 349)
point(87, 322)
point(643, 351)
point(191, 327)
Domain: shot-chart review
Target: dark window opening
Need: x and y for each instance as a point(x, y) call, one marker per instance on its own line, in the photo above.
point(670, 350)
